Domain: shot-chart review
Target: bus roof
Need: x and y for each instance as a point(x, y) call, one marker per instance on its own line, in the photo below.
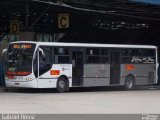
point(86, 44)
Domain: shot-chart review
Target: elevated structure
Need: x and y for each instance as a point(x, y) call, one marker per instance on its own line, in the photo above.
point(35, 15)
point(154, 2)
point(131, 21)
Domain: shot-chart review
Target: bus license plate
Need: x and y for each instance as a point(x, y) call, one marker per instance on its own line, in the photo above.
point(16, 83)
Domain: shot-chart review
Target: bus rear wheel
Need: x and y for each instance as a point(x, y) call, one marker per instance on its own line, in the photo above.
point(129, 82)
point(62, 85)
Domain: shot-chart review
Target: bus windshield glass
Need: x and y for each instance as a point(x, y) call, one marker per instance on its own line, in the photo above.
point(20, 57)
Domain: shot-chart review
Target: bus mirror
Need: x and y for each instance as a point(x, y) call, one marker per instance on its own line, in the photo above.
point(41, 52)
point(4, 51)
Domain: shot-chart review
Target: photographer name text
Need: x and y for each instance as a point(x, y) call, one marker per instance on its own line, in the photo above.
point(18, 117)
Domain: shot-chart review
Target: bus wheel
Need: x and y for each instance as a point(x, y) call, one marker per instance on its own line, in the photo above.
point(129, 82)
point(62, 85)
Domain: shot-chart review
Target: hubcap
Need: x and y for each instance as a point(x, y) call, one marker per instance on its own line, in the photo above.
point(61, 84)
point(129, 83)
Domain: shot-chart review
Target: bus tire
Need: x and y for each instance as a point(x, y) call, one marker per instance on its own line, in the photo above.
point(62, 85)
point(129, 82)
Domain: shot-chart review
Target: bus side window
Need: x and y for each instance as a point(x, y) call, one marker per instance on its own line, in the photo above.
point(104, 55)
point(148, 52)
point(136, 52)
point(149, 55)
point(61, 55)
point(93, 55)
point(125, 56)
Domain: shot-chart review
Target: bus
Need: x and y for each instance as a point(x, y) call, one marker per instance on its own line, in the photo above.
point(66, 65)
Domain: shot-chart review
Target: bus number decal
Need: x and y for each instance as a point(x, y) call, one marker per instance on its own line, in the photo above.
point(142, 60)
point(55, 72)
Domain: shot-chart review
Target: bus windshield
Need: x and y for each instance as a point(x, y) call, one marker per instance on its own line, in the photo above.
point(20, 59)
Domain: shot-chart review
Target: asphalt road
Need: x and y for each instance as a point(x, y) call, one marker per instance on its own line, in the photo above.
point(82, 101)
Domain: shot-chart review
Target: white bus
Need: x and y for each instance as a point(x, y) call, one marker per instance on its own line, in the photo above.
point(65, 65)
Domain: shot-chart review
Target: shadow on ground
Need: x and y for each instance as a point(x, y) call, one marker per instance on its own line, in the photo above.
point(82, 89)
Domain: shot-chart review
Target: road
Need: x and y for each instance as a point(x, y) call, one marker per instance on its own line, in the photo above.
point(82, 101)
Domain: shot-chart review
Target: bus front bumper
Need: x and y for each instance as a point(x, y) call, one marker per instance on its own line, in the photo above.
point(17, 84)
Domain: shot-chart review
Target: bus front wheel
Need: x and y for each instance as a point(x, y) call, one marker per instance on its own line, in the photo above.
point(129, 82)
point(62, 85)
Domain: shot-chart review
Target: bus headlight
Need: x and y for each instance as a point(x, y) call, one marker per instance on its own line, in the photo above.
point(28, 79)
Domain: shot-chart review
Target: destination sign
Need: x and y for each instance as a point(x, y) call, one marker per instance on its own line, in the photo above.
point(24, 46)
point(19, 46)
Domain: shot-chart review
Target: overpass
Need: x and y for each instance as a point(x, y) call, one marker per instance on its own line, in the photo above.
point(133, 22)
point(153, 2)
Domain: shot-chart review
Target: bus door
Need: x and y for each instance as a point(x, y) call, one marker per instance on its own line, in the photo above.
point(77, 70)
point(42, 64)
point(115, 67)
